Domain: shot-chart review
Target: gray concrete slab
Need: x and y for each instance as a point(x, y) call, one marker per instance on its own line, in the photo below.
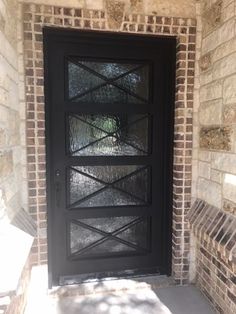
point(173, 300)
point(130, 298)
point(184, 300)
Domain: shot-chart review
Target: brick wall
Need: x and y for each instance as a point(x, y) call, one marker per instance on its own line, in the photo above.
point(214, 141)
point(111, 18)
point(215, 232)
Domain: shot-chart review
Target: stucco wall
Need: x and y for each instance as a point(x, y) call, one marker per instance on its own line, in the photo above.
point(214, 141)
point(215, 106)
point(10, 113)
point(179, 8)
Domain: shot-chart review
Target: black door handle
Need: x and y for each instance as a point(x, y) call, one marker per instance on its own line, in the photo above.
point(58, 194)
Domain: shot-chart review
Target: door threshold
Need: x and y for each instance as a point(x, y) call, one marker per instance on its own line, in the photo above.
point(111, 284)
point(107, 276)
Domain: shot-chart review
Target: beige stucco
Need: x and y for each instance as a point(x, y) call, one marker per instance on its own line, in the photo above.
point(215, 102)
point(11, 140)
point(178, 8)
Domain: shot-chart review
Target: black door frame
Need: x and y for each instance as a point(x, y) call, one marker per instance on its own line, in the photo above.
point(168, 43)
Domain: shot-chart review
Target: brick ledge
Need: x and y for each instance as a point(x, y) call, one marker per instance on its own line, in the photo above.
point(214, 226)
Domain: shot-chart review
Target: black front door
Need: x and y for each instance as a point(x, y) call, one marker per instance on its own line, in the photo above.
point(109, 106)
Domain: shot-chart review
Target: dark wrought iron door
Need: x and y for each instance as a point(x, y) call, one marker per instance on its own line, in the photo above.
point(109, 125)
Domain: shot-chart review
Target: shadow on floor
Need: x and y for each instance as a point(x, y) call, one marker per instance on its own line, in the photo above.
point(171, 300)
point(136, 302)
point(139, 297)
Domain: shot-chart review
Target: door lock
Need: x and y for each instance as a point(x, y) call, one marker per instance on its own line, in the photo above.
point(57, 173)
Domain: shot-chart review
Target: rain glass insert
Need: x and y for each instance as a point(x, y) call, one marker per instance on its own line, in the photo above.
point(109, 235)
point(108, 135)
point(105, 186)
point(106, 82)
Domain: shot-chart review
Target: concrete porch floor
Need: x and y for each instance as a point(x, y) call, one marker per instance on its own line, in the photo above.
point(147, 295)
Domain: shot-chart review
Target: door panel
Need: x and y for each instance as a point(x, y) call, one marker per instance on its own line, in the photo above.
point(106, 186)
point(109, 131)
point(108, 135)
point(109, 236)
point(107, 82)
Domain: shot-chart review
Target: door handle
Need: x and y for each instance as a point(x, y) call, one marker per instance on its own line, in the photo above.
point(57, 173)
point(58, 194)
point(57, 187)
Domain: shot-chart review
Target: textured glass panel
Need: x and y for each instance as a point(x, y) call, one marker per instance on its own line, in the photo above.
point(110, 246)
point(82, 186)
point(81, 80)
point(111, 197)
point(82, 237)
point(137, 185)
point(108, 224)
point(109, 94)
point(99, 135)
point(109, 70)
point(137, 82)
point(105, 82)
point(94, 236)
point(109, 146)
point(136, 134)
point(108, 174)
point(98, 186)
point(82, 134)
point(135, 234)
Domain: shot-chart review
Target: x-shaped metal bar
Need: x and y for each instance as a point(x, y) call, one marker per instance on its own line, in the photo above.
point(107, 80)
point(109, 134)
point(108, 185)
point(109, 235)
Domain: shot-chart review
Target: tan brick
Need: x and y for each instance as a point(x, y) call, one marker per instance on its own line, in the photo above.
point(224, 162)
point(224, 67)
point(6, 163)
point(211, 91)
point(229, 187)
point(215, 138)
point(210, 192)
point(229, 114)
point(229, 86)
point(210, 113)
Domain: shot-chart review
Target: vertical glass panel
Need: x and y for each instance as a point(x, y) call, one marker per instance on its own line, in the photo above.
point(110, 135)
point(80, 80)
point(82, 186)
point(109, 235)
point(137, 185)
point(107, 82)
point(84, 132)
point(137, 82)
point(105, 186)
point(81, 237)
point(135, 233)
